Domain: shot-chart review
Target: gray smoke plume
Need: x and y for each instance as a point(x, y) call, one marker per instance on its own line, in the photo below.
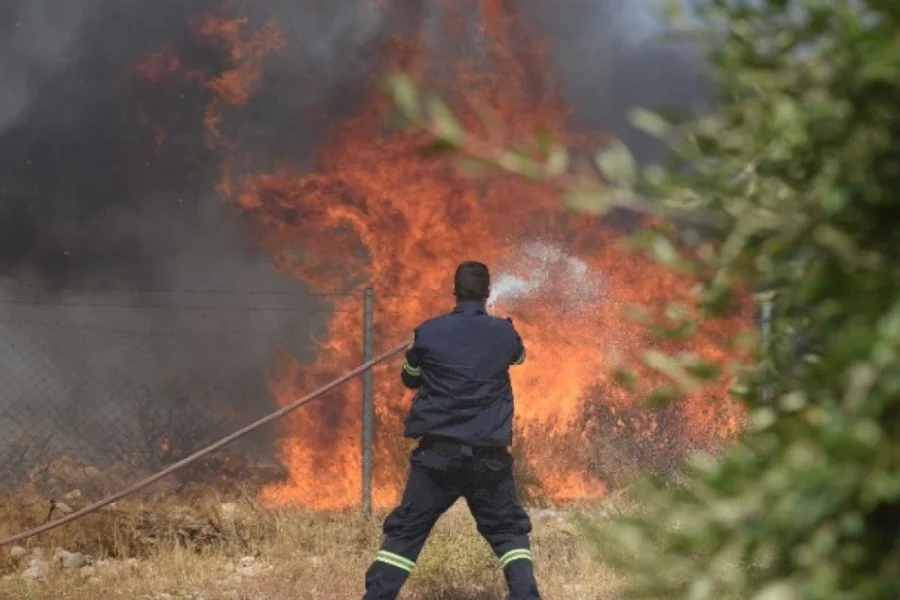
point(615, 55)
point(115, 257)
point(37, 38)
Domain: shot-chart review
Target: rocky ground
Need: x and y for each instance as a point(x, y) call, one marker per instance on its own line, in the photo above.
point(78, 570)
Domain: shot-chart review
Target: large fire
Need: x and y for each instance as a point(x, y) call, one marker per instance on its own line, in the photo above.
point(373, 214)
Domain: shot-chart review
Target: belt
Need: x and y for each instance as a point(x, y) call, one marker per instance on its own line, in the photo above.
point(466, 450)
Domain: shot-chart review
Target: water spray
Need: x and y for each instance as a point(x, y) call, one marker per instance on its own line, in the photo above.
point(541, 268)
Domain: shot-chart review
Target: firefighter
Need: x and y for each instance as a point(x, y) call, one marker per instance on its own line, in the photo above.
point(462, 416)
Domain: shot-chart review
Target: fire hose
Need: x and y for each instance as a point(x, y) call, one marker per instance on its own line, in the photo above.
point(201, 453)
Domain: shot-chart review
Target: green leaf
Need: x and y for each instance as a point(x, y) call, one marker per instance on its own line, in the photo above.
point(443, 121)
point(625, 378)
point(517, 161)
point(663, 250)
point(763, 418)
point(703, 370)
point(674, 11)
point(672, 369)
point(778, 590)
point(594, 202)
point(405, 95)
point(617, 164)
point(793, 401)
point(649, 122)
point(663, 395)
point(557, 161)
point(436, 147)
point(544, 140)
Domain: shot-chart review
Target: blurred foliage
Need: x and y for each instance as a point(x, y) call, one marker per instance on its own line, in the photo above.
point(791, 187)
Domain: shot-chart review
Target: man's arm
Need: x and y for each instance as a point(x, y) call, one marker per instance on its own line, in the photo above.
point(411, 375)
point(518, 356)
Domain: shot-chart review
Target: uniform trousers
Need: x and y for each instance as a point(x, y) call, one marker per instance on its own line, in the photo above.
point(441, 473)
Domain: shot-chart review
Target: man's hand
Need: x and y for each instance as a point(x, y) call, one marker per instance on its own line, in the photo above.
point(411, 374)
point(519, 356)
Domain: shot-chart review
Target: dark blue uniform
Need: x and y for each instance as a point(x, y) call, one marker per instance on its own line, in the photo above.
point(462, 415)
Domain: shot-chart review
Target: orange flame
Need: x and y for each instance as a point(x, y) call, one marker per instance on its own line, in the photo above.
point(246, 53)
point(157, 66)
point(373, 214)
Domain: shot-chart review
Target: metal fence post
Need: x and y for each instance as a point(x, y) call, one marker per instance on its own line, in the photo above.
point(368, 404)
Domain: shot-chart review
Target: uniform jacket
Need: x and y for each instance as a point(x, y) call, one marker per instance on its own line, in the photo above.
point(459, 363)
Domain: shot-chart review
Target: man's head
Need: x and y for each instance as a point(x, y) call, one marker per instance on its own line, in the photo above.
point(472, 282)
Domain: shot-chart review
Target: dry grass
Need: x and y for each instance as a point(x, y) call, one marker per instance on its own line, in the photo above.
point(298, 555)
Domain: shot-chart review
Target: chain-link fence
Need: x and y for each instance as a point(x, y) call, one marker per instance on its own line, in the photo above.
point(99, 389)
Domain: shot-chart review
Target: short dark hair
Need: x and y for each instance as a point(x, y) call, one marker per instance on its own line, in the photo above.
point(472, 281)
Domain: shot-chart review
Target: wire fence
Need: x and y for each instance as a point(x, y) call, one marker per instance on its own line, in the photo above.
point(103, 386)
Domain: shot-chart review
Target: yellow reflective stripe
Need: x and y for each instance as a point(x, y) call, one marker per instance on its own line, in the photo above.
point(521, 358)
point(414, 371)
point(393, 563)
point(395, 560)
point(513, 555)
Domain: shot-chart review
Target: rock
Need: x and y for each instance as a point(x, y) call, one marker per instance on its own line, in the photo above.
point(248, 561)
point(546, 513)
point(88, 571)
point(73, 496)
point(72, 560)
point(37, 569)
point(62, 507)
point(186, 518)
point(229, 510)
point(249, 567)
point(316, 561)
point(93, 580)
point(7, 578)
point(18, 553)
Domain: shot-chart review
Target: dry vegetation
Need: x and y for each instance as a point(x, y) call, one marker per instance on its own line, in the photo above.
point(191, 543)
point(210, 550)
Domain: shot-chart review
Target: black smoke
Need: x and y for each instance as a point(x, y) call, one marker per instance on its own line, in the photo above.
point(81, 189)
point(126, 282)
point(83, 192)
point(613, 55)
